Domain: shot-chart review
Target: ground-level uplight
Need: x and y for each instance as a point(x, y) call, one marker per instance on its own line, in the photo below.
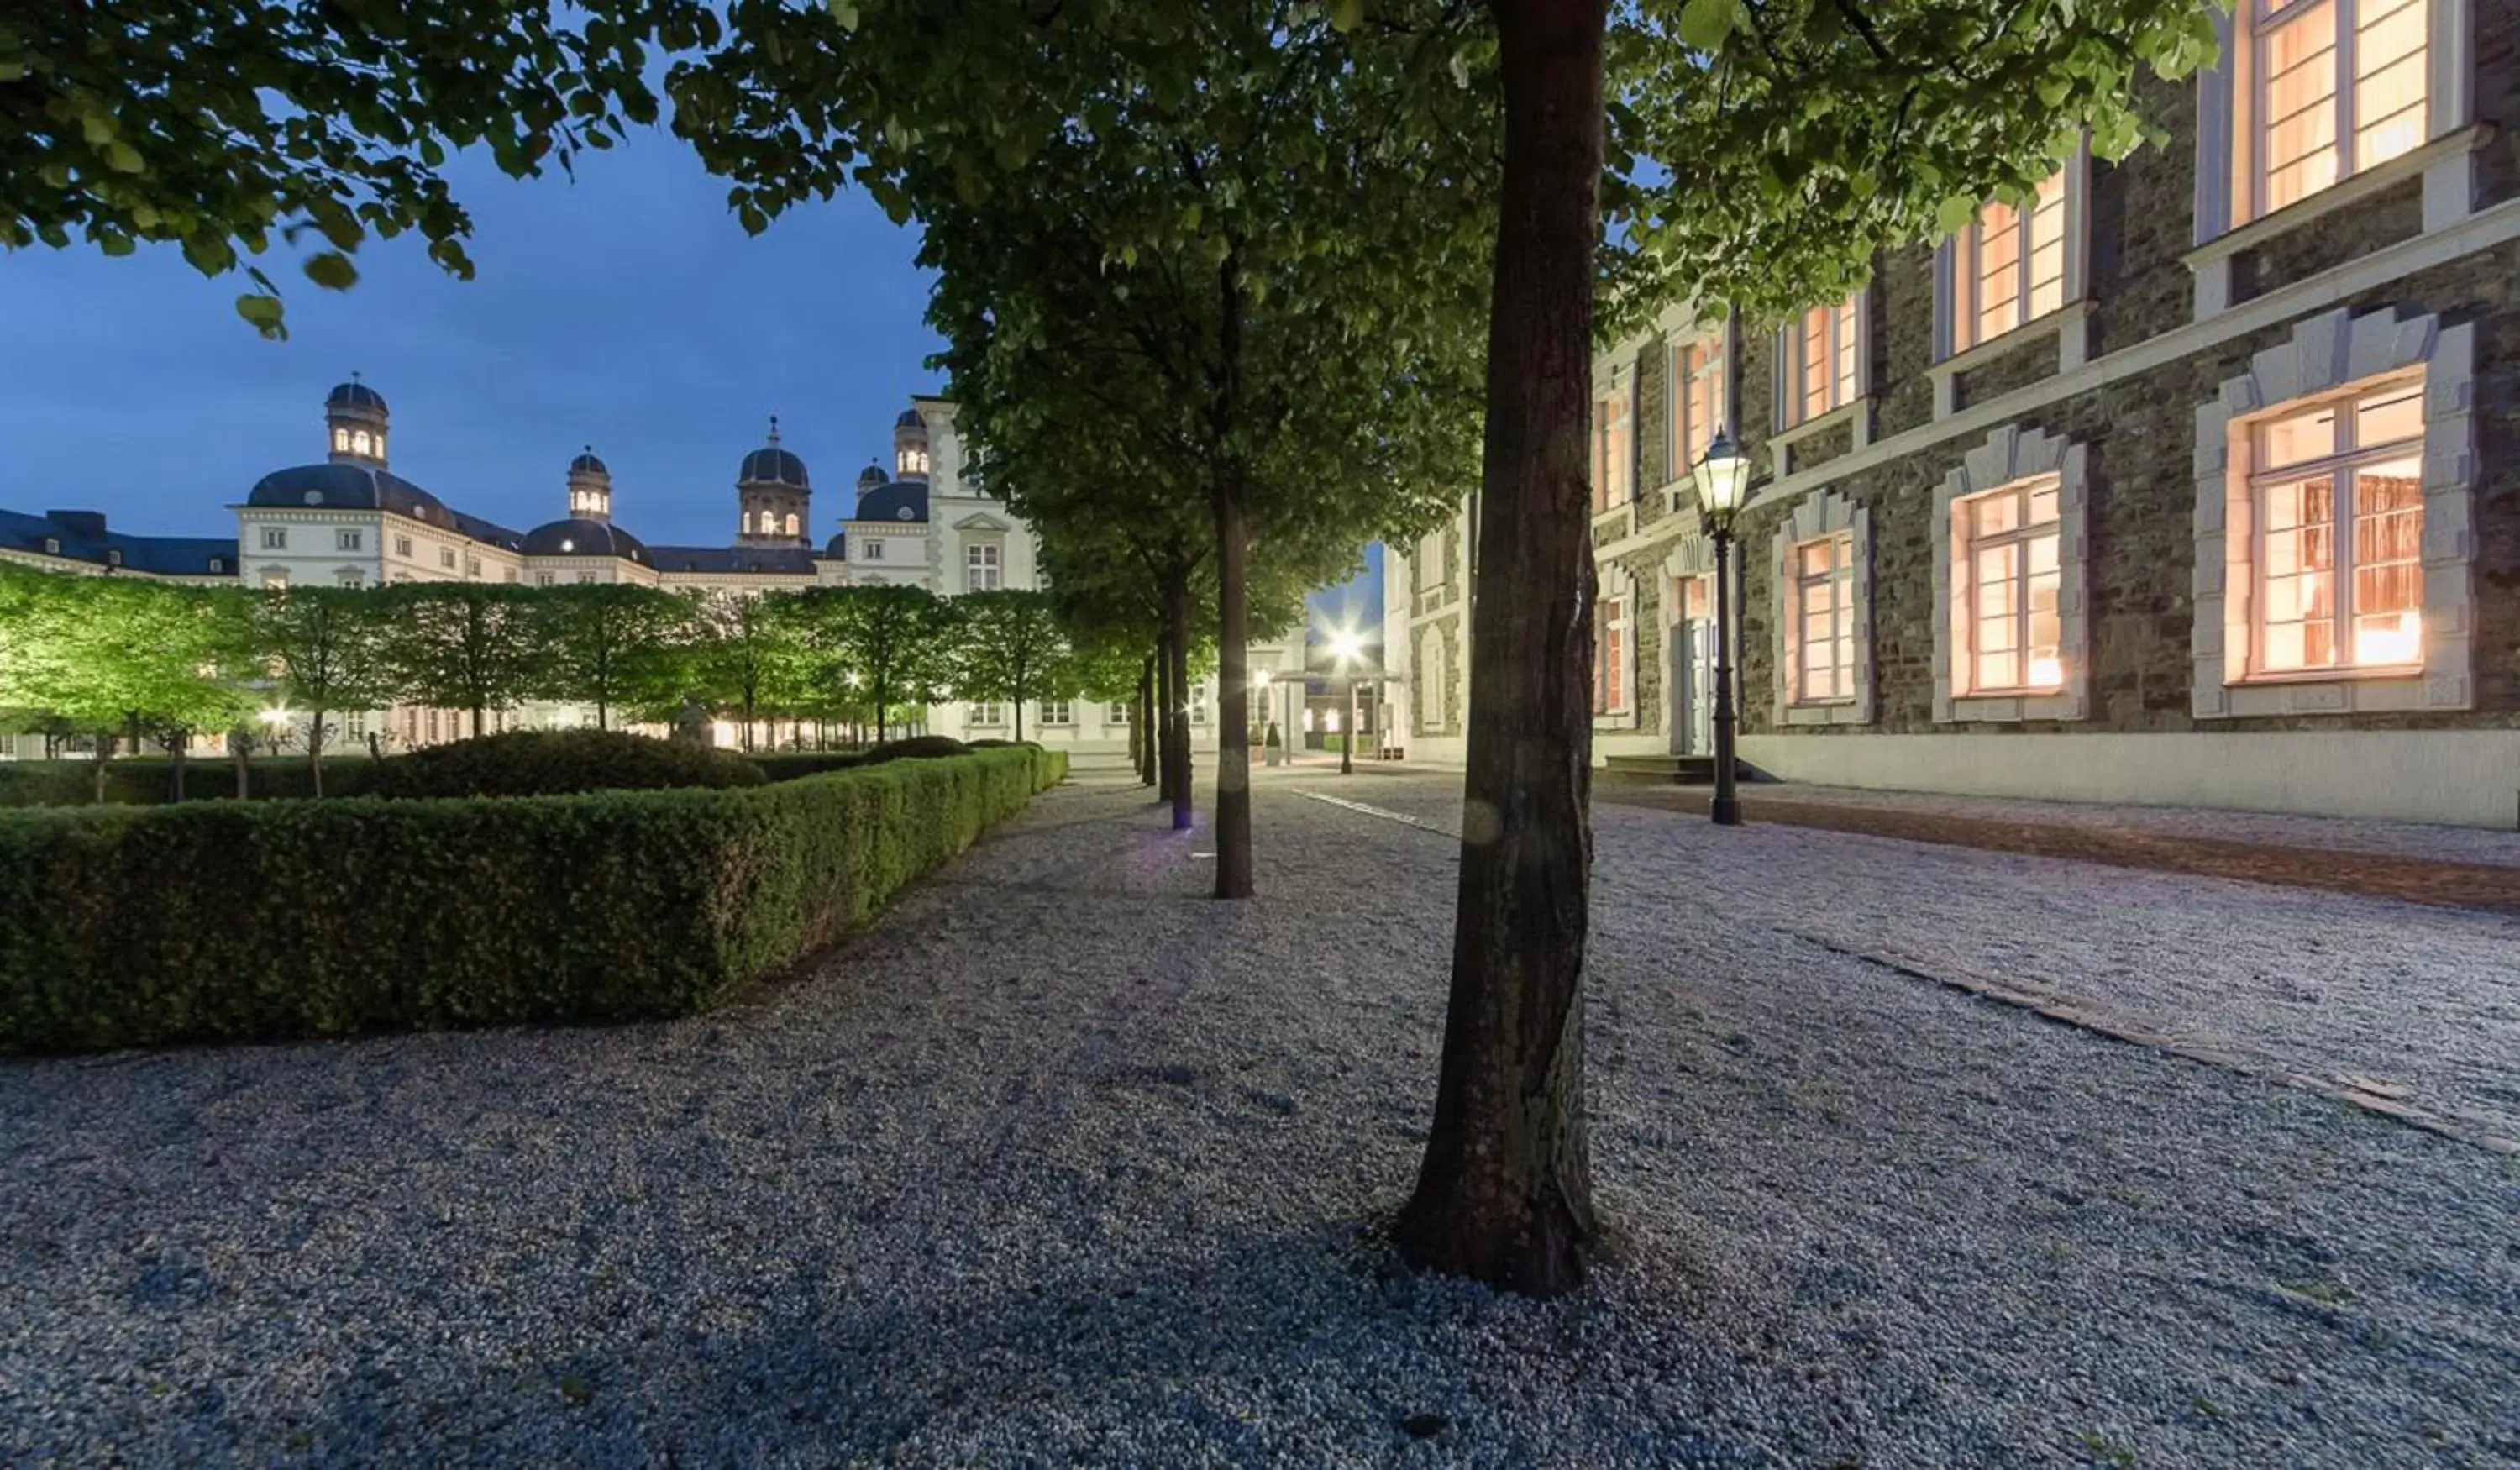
point(1722, 483)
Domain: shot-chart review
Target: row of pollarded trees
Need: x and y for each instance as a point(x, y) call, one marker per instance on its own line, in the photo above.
point(108, 657)
point(1262, 222)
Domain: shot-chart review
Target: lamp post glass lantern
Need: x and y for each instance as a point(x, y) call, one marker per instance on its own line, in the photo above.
point(1722, 479)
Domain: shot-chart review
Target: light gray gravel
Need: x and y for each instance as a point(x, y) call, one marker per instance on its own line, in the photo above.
point(2402, 839)
point(1063, 1163)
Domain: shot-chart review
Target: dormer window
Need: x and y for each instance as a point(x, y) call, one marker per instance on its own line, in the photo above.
point(52, 546)
point(112, 557)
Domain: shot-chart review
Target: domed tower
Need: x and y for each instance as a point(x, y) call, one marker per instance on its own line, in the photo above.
point(870, 478)
point(590, 488)
point(354, 424)
point(775, 496)
point(909, 446)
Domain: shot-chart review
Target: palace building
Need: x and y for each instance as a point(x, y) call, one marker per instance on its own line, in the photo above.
point(2192, 482)
point(351, 520)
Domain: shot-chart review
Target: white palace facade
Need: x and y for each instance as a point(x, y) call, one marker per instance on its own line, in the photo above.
point(350, 520)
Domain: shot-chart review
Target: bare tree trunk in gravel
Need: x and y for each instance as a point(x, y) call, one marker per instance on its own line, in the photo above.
point(1142, 728)
point(1177, 713)
point(1505, 1193)
point(1167, 696)
point(1232, 699)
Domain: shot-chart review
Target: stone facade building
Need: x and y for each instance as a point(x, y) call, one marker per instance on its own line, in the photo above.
point(2196, 482)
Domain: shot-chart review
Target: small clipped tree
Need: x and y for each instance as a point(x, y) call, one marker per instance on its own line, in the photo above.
point(745, 659)
point(885, 646)
point(328, 650)
point(462, 646)
point(1009, 648)
point(613, 646)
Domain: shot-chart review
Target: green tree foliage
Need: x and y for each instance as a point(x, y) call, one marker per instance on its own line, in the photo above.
point(1195, 231)
point(1010, 649)
point(215, 126)
point(326, 647)
point(615, 646)
point(749, 661)
point(464, 646)
point(878, 647)
point(100, 654)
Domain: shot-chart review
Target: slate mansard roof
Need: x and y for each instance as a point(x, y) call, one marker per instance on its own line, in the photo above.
point(902, 500)
point(83, 538)
point(584, 538)
point(794, 560)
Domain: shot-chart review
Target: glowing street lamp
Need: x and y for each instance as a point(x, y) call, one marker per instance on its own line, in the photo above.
point(1722, 479)
point(1347, 646)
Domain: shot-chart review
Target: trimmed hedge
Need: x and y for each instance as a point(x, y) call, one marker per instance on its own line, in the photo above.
point(226, 921)
point(559, 762)
point(926, 748)
point(145, 780)
point(788, 765)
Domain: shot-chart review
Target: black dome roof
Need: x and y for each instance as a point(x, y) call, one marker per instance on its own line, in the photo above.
point(910, 420)
point(773, 465)
point(348, 487)
point(584, 538)
point(871, 476)
point(355, 395)
point(902, 500)
point(837, 547)
point(589, 463)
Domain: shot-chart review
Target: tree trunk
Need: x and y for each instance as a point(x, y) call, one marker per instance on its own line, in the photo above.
point(315, 754)
point(1233, 697)
point(1161, 730)
point(1177, 716)
point(1141, 732)
point(602, 716)
point(244, 769)
point(1505, 1193)
point(175, 765)
point(104, 753)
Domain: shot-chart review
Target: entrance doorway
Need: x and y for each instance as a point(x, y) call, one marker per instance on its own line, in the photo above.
point(1690, 649)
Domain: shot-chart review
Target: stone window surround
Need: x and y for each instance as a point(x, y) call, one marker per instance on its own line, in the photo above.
point(1430, 673)
point(2445, 162)
point(1825, 514)
point(1614, 582)
point(2070, 322)
point(2011, 454)
point(2327, 355)
point(1623, 377)
point(1692, 557)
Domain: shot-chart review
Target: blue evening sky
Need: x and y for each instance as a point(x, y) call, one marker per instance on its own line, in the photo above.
point(626, 309)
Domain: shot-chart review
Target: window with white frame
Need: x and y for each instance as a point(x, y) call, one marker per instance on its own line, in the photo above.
point(981, 568)
point(446, 558)
point(2008, 625)
point(1057, 712)
point(1821, 360)
point(1699, 400)
point(347, 541)
point(1613, 454)
point(1199, 704)
point(275, 538)
point(988, 713)
point(2339, 510)
point(870, 550)
point(544, 579)
point(585, 577)
point(1821, 621)
point(2009, 267)
point(1118, 713)
point(2335, 87)
point(348, 576)
point(1610, 656)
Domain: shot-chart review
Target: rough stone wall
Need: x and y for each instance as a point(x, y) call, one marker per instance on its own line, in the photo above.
point(1902, 340)
point(2394, 214)
point(2142, 215)
point(2497, 79)
point(1819, 448)
point(1654, 419)
point(2017, 366)
point(2142, 563)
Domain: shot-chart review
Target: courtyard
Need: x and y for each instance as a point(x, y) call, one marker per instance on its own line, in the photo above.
point(1065, 1162)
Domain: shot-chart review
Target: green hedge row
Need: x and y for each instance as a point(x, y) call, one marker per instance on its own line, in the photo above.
point(146, 781)
point(210, 920)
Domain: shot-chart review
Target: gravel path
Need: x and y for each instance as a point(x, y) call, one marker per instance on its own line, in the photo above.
point(1062, 1163)
point(2403, 839)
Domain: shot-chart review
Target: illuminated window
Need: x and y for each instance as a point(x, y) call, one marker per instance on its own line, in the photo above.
point(2008, 268)
point(2008, 624)
point(2338, 87)
point(1820, 625)
point(981, 569)
point(359, 442)
point(1057, 712)
point(2338, 496)
point(1613, 455)
point(792, 523)
point(748, 522)
point(342, 441)
point(1821, 360)
point(1699, 401)
point(1610, 656)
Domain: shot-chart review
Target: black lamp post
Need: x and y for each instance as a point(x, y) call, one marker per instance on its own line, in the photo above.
point(1722, 483)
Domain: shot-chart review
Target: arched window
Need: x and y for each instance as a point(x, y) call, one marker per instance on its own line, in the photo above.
point(748, 522)
point(792, 523)
point(359, 442)
point(341, 440)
